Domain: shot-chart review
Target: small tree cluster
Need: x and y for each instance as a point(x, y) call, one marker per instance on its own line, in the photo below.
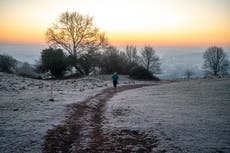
point(87, 49)
point(129, 62)
point(106, 62)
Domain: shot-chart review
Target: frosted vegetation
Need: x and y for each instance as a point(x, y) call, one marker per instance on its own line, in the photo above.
point(175, 60)
point(26, 112)
point(186, 116)
point(190, 116)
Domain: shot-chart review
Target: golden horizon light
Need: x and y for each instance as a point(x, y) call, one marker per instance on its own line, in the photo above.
point(151, 22)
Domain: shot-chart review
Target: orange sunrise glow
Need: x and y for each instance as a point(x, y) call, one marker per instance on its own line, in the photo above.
point(155, 22)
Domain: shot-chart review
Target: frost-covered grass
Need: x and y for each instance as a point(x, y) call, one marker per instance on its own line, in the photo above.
point(26, 112)
point(188, 116)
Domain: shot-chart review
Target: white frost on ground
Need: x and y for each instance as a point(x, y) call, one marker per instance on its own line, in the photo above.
point(26, 112)
point(192, 116)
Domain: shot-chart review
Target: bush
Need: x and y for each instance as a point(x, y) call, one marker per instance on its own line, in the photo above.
point(25, 69)
point(141, 73)
point(7, 63)
point(53, 60)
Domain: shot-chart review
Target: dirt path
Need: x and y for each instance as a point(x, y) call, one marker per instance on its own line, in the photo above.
point(82, 130)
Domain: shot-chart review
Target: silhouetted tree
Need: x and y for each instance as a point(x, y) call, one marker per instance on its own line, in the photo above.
point(113, 60)
point(54, 60)
point(131, 53)
point(150, 60)
point(7, 63)
point(75, 33)
point(216, 61)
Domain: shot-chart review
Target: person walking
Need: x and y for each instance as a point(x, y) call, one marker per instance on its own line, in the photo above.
point(115, 78)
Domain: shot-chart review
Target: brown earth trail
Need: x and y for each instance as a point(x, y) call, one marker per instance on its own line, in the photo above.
point(82, 131)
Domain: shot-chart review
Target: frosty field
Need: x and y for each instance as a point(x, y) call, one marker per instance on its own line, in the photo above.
point(26, 112)
point(191, 116)
point(182, 116)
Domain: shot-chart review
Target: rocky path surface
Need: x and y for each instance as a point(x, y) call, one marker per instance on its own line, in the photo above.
point(82, 131)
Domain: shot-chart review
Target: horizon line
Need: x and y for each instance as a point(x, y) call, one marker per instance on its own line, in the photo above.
point(125, 44)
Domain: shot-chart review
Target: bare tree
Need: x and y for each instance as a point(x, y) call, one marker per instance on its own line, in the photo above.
point(112, 59)
point(150, 60)
point(131, 53)
point(216, 61)
point(75, 33)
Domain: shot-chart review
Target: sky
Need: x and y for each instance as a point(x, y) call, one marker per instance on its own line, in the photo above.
point(137, 22)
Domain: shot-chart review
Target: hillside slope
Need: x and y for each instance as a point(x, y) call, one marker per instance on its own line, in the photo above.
point(188, 116)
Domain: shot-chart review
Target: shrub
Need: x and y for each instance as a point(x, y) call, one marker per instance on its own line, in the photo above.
point(141, 73)
point(54, 60)
point(25, 69)
point(7, 63)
